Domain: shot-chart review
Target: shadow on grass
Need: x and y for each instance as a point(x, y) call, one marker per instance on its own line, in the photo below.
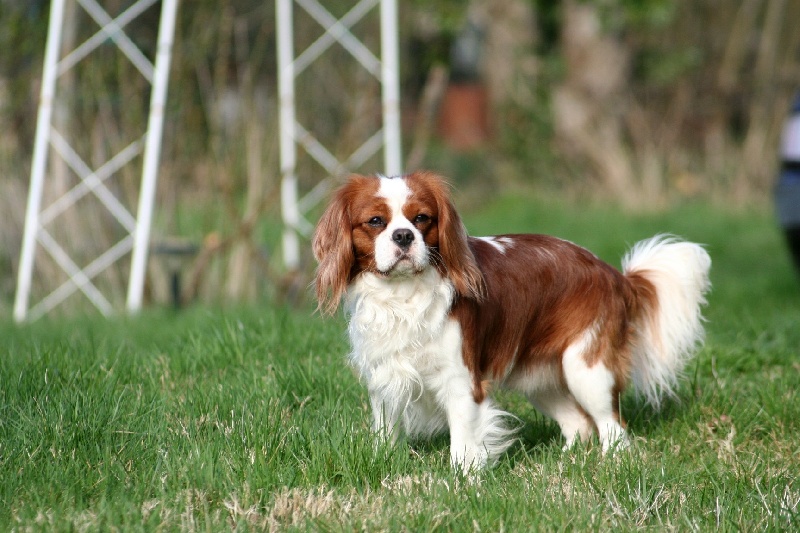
point(643, 419)
point(537, 435)
point(534, 434)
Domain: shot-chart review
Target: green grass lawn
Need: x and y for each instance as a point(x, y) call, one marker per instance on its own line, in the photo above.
point(250, 420)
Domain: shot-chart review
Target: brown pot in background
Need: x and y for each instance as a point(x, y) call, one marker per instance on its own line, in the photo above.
point(464, 116)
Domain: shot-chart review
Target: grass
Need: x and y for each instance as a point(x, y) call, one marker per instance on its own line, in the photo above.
point(249, 419)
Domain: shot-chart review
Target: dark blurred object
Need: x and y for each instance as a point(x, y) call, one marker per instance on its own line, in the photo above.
point(467, 51)
point(787, 193)
point(177, 253)
point(464, 113)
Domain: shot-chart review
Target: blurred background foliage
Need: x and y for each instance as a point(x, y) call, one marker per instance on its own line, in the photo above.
point(643, 103)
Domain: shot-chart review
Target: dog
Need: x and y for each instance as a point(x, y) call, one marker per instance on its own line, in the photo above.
point(436, 318)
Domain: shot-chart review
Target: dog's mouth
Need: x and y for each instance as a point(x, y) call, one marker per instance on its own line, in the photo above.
point(404, 265)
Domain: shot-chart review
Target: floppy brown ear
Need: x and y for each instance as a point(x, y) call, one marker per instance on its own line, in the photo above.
point(457, 257)
point(332, 245)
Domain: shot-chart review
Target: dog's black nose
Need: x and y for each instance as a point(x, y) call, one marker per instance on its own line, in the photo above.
point(403, 237)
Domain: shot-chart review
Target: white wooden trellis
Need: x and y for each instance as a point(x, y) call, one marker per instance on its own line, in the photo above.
point(385, 69)
point(92, 181)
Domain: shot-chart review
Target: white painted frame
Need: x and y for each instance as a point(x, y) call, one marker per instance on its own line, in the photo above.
point(138, 228)
point(385, 69)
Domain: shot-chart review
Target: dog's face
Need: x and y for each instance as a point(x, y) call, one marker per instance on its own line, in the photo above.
point(394, 228)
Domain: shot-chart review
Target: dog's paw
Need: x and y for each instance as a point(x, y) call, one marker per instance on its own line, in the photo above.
point(469, 460)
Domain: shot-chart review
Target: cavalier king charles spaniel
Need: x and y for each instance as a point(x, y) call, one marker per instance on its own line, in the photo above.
point(437, 319)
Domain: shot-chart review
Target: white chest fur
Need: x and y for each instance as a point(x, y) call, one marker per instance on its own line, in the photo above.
point(396, 321)
point(405, 346)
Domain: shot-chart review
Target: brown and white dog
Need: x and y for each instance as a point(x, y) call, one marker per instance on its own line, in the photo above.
point(437, 318)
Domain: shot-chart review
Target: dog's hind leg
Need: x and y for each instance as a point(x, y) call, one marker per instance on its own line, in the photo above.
point(562, 407)
point(595, 389)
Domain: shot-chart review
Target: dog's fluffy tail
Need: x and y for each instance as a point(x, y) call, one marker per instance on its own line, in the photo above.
point(670, 279)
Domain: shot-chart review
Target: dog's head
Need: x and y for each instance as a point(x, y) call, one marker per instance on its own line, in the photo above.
point(394, 228)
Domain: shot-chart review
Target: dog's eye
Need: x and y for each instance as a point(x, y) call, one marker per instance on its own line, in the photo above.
point(376, 222)
point(421, 219)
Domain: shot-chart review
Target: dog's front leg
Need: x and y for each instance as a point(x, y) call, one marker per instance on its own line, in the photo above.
point(385, 417)
point(466, 451)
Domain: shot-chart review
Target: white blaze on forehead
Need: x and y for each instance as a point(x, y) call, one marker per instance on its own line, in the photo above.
point(396, 192)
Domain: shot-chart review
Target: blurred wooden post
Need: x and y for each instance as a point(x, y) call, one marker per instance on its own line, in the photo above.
point(385, 69)
point(92, 180)
point(152, 154)
point(39, 161)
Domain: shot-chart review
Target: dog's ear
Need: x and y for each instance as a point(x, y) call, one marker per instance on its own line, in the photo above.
point(457, 257)
point(332, 245)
